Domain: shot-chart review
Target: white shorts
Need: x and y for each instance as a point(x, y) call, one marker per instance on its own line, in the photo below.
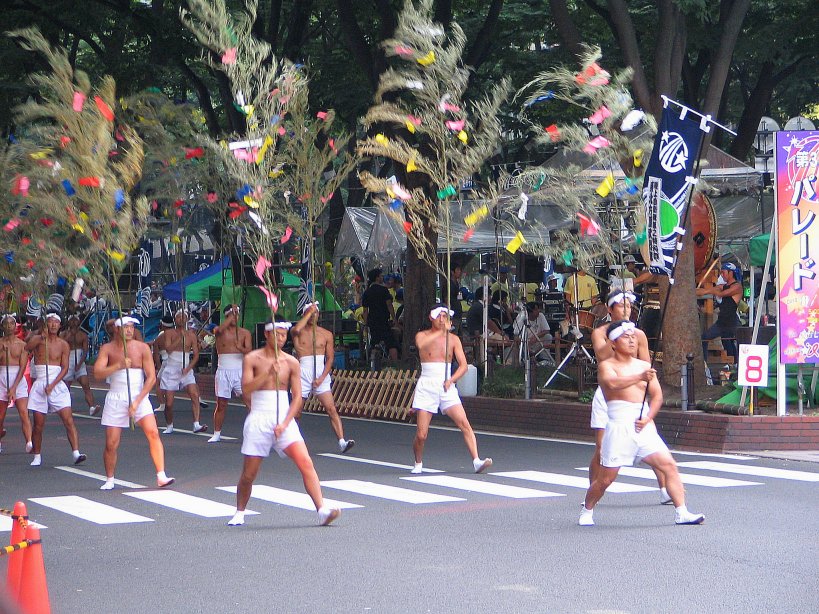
point(599, 410)
point(257, 434)
point(60, 397)
point(309, 372)
point(75, 371)
point(172, 378)
point(115, 410)
point(21, 392)
point(430, 395)
point(622, 444)
point(228, 376)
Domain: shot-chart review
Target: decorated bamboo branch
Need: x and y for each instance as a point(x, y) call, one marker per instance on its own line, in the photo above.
point(611, 143)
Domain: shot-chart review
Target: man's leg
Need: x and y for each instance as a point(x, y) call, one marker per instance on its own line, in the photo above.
point(605, 476)
point(297, 452)
point(250, 470)
point(422, 420)
point(329, 405)
point(157, 451)
point(457, 414)
point(594, 465)
point(4, 403)
point(169, 398)
point(71, 433)
point(93, 407)
point(37, 436)
point(218, 418)
point(665, 463)
point(109, 456)
point(25, 424)
point(193, 393)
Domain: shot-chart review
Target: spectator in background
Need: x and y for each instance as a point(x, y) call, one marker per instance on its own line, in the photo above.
point(631, 271)
point(536, 322)
point(455, 297)
point(501, 312)
point(379, 313)
point(502, 284)
point(586, 293)
point(474, 319)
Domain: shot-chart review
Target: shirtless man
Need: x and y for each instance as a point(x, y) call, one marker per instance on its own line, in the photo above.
point(630, 433)
point(619, 306)
point(183, 354)
point(267, 376)
point(77, 342)
point(160, 356)
point(436, 387)
point(316, 356)
point(13, 386)
point(131, 381)
point(232, 343)
point(49, 394)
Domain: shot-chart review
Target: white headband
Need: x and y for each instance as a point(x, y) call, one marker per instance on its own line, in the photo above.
point(620, 297)
point(184, 312)
point(280, 325)
point(53, 316)
point(435, 313)
point(308, 305)
point(625, 327)
point(125, 321)
point(6, 316)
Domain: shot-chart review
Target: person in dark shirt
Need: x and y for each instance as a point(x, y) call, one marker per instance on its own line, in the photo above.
point(730, 291)
point(378, 312)
point(474, 318)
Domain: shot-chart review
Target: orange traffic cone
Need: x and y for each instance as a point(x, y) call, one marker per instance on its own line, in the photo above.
point(33, 598)
point(18, 534)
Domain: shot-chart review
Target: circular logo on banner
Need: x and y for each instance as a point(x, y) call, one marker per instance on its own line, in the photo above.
point(673, 152)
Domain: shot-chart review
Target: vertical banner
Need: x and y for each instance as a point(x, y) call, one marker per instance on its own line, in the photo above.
point(143, 298)
point(668, 179)
point(797, 205)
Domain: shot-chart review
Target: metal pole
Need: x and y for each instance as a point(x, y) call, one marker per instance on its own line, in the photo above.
point(689, 380)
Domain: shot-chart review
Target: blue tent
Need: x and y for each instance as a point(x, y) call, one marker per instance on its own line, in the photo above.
point(196, 287)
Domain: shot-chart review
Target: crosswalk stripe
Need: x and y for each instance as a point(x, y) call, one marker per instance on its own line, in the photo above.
point(572, 481)
point(175, 429)
point(487, 488)
point(288, 497)
point(7, 523)
point(187, 503)
point(85, 509)
point(97, 476)
point(392, 493)
point(358, 459)
point(686, 478)
point(762, 472)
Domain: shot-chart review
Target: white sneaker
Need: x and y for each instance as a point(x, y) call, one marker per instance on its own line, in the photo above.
point(237, 520)
point(38, 460)
point(109, 485)
point(160, 408)
point(94, 410)
point(327, 515)
point(481, 465)
point(168, 430)
point(215, 439)
point(665, 498)
point(586, 517)
point(29, 447)
point(418, 468)
point(344, 446)
point(687, 517)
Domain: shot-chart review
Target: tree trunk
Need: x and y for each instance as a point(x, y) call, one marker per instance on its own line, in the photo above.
point(419, 296)
point(681, 327)
point(731, 27)
point(566, 28)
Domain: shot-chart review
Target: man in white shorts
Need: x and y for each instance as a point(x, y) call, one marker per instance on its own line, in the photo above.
point(182, 346)
point(436, 387)
point(130, 366)
point(268, 374)
point(77, 342)
point(316, 355)
point(619, 306)
point(13, 385)
point(49, 395)
point(630, 433)
point(160, 356)
point(232, 343)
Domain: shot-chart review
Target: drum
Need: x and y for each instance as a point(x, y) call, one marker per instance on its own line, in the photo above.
point(585, 319)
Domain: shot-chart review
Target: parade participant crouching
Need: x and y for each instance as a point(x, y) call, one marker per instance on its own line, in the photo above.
point(268, 374)
point(436, 387)
point(130, 366)
point(630, 433)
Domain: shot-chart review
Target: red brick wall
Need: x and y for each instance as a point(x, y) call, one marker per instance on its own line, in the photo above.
point(681, 430)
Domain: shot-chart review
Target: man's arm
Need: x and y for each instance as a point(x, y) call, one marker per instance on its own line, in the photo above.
point(655, 393)
point(102, 367)
point(21, 368)
point(150, 375)
point(195, 348)
point(33, 342)
point(390, 308)
point(295, 397)
point(458, 350)
point(329, 357)
point(63, 370)
point(302, 323)
point(84, 348)
point(245, 346)
point(642, 346)
point(252, 380)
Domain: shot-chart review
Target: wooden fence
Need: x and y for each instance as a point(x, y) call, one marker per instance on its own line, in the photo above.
point(371, 394)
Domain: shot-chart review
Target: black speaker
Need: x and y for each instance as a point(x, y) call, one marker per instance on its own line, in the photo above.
point(530, 269)
point(244, 268)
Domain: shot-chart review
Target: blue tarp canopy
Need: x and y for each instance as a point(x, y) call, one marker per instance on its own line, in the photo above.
point(195, 287)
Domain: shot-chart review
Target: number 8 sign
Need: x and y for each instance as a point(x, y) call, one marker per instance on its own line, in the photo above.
point(753, 365)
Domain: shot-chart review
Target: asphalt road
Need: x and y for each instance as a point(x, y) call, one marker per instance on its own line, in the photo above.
point(463, 551)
